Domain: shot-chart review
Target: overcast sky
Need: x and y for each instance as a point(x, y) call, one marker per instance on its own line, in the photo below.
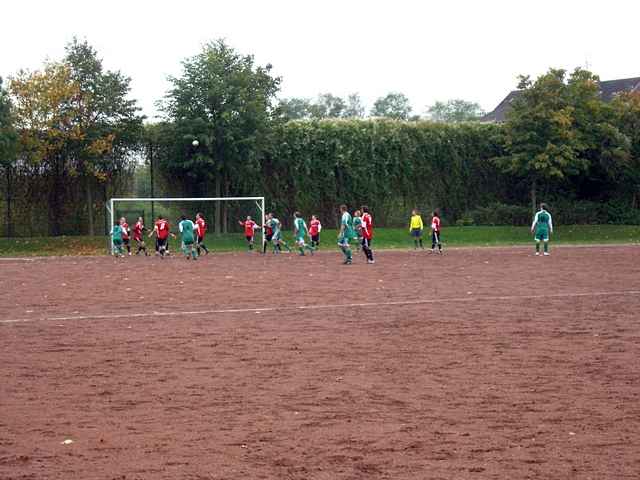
point(470, 49)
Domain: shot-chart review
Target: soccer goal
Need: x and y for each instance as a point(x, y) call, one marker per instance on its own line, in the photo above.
point(223, 213)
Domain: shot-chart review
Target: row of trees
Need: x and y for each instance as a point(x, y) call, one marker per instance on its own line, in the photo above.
point(394, 105)
point(69, 134)
point(70, 138)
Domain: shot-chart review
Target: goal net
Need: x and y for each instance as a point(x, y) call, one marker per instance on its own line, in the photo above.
point(221, 215)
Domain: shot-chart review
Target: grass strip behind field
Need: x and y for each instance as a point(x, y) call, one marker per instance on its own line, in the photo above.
point(385, 238)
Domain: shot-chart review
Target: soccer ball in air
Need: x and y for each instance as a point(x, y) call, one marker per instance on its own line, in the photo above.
point(195, 143)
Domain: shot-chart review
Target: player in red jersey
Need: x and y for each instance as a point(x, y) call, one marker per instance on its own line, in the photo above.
point(268, 233)
point(201, 229)
point(435, 232)
point(367, 233)
point(125, 234)
point(138, 230)
point(249, 230)
point(162, 229)
point(315, 227)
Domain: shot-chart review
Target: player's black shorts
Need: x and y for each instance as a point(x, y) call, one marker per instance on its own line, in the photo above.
point(268, 236)
point(125, 241)
point(199, 239)
point(315, 239)
point(161, 243)
point(249, 239)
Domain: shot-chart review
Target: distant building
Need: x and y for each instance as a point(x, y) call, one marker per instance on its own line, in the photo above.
point(608, 90)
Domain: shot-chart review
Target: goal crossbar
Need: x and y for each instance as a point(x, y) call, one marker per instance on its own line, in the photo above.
point(259, 203)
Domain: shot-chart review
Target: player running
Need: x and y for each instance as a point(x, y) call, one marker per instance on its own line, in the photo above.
point(415, 229)
point(138, 230)
point(367, 233)
point(315, 227)
point(542, 227)
point(201, 230)
point(125, 234)
point(300, 231)
point(278, 242)
point(116, 238)
point(249, 230)
point(346, 233)
point(436, 238)
point(187, 232)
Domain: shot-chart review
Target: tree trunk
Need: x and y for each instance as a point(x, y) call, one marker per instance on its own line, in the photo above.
point(216, 220)
point(9, 232)
point(55, 201)
point(90, 206)
point(534, 200)
point(225, 209)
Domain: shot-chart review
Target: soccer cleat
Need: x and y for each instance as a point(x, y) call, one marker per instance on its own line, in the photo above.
point(546, 254)
point(371, 261)
point(537, 254)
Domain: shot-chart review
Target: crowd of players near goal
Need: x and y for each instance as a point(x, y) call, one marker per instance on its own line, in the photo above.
point(358, 226)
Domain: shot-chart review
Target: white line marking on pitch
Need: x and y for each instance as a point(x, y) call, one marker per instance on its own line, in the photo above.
point(114, 316)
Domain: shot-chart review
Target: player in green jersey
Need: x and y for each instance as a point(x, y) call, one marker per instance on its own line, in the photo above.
point(300, 231)
point(357, 226)
point(187, 232)
point(346, 233)
point(542, 227)
point(276, 234)
point(116, 238)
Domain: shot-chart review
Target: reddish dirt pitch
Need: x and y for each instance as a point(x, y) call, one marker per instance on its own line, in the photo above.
point(480, 364)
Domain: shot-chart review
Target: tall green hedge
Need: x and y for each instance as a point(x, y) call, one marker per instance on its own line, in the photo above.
point(392, 166)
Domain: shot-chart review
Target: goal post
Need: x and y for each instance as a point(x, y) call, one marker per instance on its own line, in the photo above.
point(117, 206)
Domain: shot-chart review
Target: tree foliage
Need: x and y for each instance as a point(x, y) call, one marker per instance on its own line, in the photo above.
point(325, 106)
point(626, 108)
point(227, 103)
point(8, 152)
point(455, 111)
point(393, 105)
point(8, 134)
point(294, 108)
point(558, 127)
point(76, 126)
point(390, 165)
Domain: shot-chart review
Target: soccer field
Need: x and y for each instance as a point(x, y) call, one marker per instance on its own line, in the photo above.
point(385, 238)
point(480, 363)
